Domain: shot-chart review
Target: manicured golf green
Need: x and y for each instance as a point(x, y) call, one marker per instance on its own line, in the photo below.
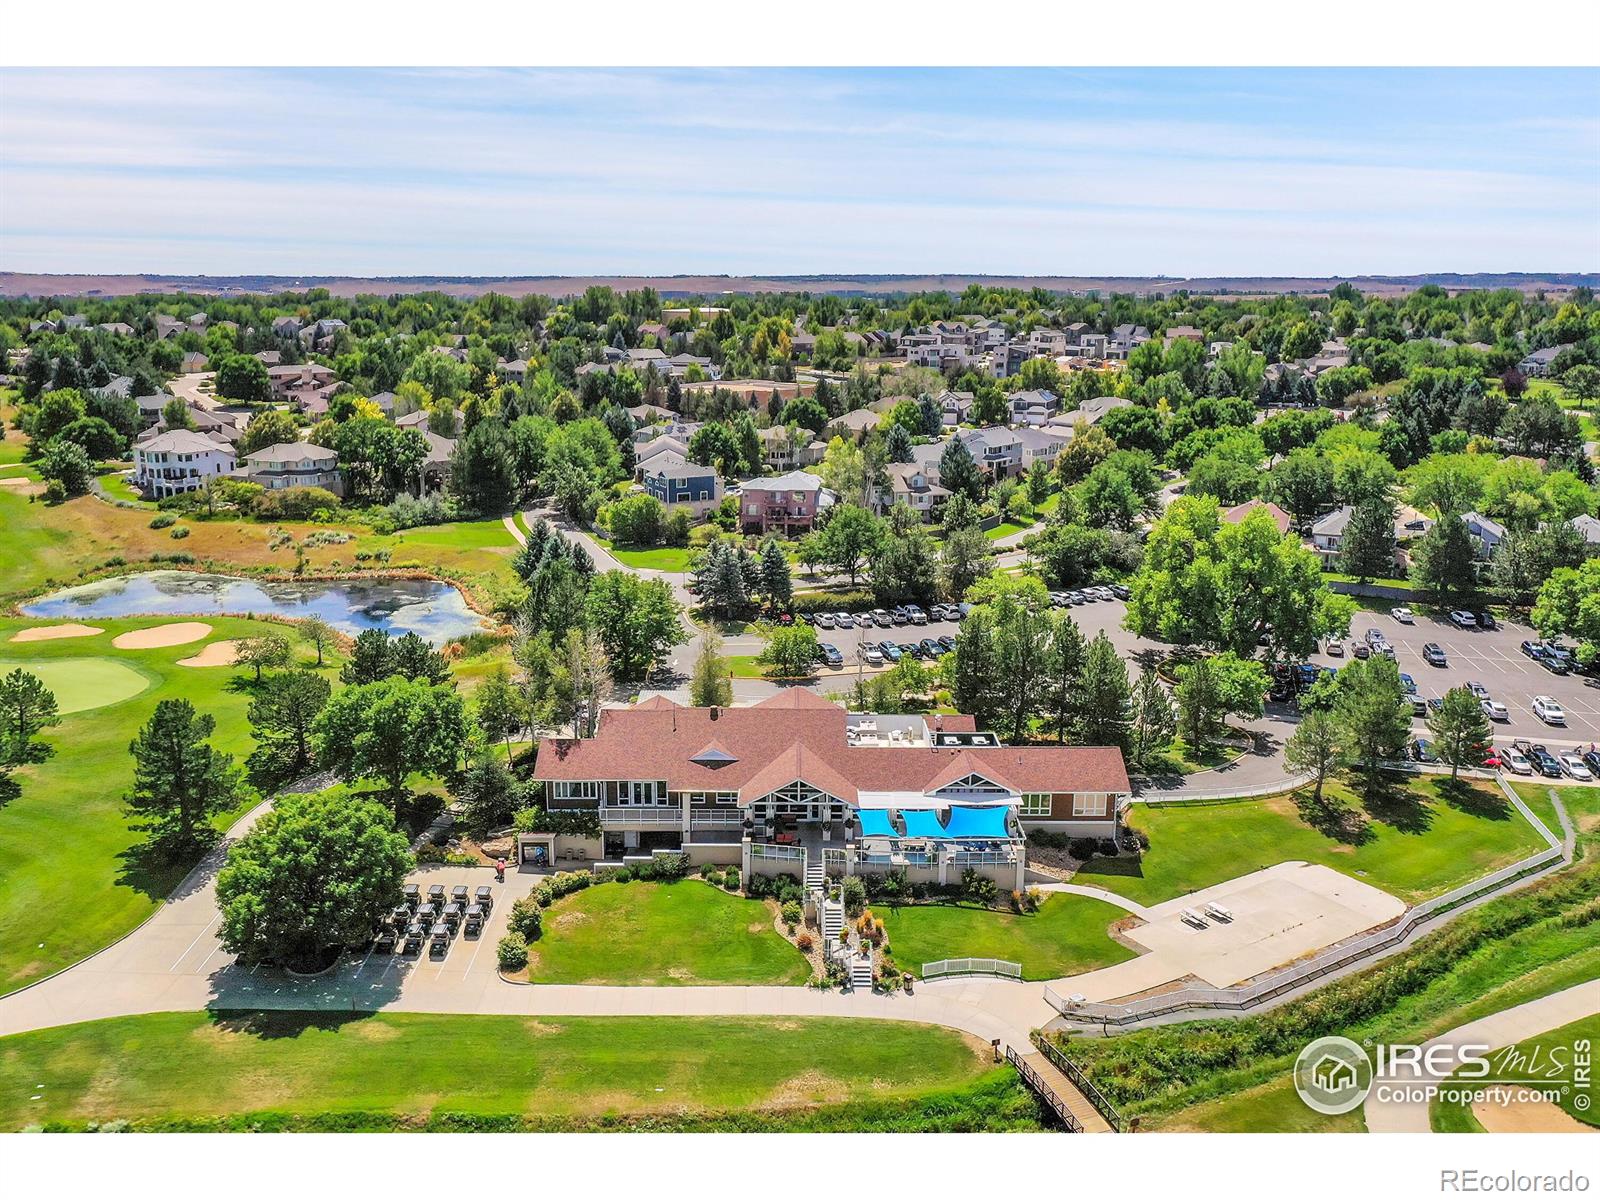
point(80, 684)
point(71, 878)
point(1547, 1062)
point(662, 933)
point(553, 1072)
point(1067, 936)
point(1419, 846)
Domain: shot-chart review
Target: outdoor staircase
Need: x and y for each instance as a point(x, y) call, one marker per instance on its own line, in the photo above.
point(831, 914)
point(860, 973)
point(815, 880)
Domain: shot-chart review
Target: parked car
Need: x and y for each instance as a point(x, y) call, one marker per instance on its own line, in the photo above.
point(1408, 683)
point(824, 621)
point(1335, 648)
point(881, 618)
point(830, 654)
point(1517, 763)
point(785, 618)
point(1477, 689)
point(1361, 650)
point(1549, 766)
point(1548, 711)
point(900, 616)
point(1495, 711)
point(931, 648)
point(918, 617)
point(1531, 649)
point(1059, 600)
point(807, 618)
point(1486, 620)
point(870, 654)
point(1077, 598)
point(1403, 614)
point(1435, 704)
point(1434, 653)
point(1120, 590)
point(1492, 760)
point(948, 644)
point(1463, 619)
point(1553, 662)
point(1591, 759)
point(908, 649)
point(890, 651)
point(1576, 768)
point(1419, 706)
point(1421, 750)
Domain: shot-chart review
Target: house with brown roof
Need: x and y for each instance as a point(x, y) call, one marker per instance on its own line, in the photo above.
point(1239, 512)
point(795, 784)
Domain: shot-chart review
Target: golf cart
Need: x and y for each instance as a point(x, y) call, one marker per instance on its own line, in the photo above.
point(426, 916)
point(440, 942)
point(458, 895)
point(413, 895)
point(414, 936)
point(474, 920)
point(452, 916)
point(385, 941)
point(484, 896)
point(436, 895)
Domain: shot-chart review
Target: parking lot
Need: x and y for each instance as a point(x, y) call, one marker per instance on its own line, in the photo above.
point(1490, 657)
point(1487, 656)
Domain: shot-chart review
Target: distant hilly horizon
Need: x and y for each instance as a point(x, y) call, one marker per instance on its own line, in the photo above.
point(17, 284)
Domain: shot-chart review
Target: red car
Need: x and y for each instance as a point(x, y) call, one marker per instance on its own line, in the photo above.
point(1492, 760)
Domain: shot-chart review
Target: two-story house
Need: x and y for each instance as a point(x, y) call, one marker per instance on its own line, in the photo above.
point(675, 481)
point(294, 464)
point(179, 460)
point(1033, 407)
point(785, 504)
point(910, 485)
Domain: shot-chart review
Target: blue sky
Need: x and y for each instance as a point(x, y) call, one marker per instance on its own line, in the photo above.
point(587, 171)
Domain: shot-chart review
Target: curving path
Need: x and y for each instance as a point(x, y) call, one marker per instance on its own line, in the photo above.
point(1501, 1029)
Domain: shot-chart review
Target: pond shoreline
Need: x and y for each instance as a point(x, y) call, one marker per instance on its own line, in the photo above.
point(262, 580)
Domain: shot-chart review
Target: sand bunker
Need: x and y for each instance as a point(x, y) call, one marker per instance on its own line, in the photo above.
point(173, 634)
point(22, 484)
point(217, 654)
point(49, 633)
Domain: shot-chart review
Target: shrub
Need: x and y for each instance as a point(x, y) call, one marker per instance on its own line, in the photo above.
point(513, 952)
point(544, 895)
point(810, 602)
point(855, 896)
point(1081, 848)
point(792, 913)
point(162, 520)
point(730, 879)
point(179, 532)
point(805, 942)
point(978, 887)
point(55, 492)
point(527, 921)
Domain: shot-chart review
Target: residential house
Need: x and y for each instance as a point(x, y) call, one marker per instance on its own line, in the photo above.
point(192, 361)
point(322, 334)
point(1033, 407)
point(858, 422)
point(1040, 445)
point(910, 485)
point(1093, 409)
point(179, 460)
point(781, 453)
point(785, 504)
point(516, 370)
point(1185, 332)
point(1239, 512)
point(269, 358)
point(294, 464)
point(954, 407)
point(794, 779)
point(996, 449)
point(1589, 528)
point(167, 327)
point(1537, 363)
point(1487, 532)
point(1124, 338)
point(674, 481)
point(119, 387)
point(286, 327)
point(150, 408)
point(297, 381)
point(119, 328)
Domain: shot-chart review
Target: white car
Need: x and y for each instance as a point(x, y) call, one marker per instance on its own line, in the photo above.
point(1516, 762)
point(1336, 649)
point(1573, 765)
point(1495, 711)
point(1404, 615)
point(1478, 690)
point(1548, 711)
point(1463, 619)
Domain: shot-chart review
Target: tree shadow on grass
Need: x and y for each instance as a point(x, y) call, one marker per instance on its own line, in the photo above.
point(152, 873)
point(10, 789)
point(1333, 818)
point(1394, 800)
point(1462, 796)
point(273, 1024)
point(1129, 866)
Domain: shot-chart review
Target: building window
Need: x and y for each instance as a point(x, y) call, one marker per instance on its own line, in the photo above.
point(579, 789)
point(1036, 804)
point(727, 797)
point(1093, 805)
point(639, 791)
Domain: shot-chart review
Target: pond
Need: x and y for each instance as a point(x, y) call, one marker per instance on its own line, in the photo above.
point(432, 610)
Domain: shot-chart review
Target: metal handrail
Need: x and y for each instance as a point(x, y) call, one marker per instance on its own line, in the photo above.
point(1044, 1091)
point(1082, 1082)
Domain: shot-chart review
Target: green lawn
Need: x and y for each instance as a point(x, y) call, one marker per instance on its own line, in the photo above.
point(1418, 845)
point(1454, 1115)
point(1005, 529)
point(116, 485)
point(473, 535)
point(71, 878)
point(1273, 1107)
point(405, 1070)
point(654, 933)
point(1066, 936)
point(649, 558)
point(80, 684)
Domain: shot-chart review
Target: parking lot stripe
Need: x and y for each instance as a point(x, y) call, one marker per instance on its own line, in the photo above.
point(173, 968)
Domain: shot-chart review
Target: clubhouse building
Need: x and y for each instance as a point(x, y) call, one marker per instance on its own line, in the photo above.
point(795, 784)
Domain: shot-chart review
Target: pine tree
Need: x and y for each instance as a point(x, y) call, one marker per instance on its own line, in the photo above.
point(1103, 717)
point(776, 581)
point(179, 781)
point(897, 445)
point(710, 685)
point(1313, 749)
point(1064, 675)
point(1154, 722)
point(1367, 550)
point(1443, 563)
point(1199, 705)
point(1460, 730)
point(26, 708)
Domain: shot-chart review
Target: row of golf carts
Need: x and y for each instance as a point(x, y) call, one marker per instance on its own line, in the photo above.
point(434, 921)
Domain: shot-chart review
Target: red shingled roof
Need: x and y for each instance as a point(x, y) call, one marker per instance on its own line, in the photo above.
point(659, 741)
